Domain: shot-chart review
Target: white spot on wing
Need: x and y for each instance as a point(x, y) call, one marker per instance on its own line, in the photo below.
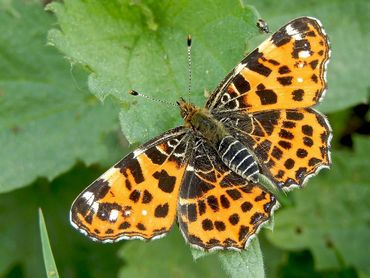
point(299, 79)
point(95, 207)
point(144, 212)
point(137, 152)
point(113, 215)
point(108, 174)
point(304, 54)
point(239, 68)
point(294, 33)
point(89, 197)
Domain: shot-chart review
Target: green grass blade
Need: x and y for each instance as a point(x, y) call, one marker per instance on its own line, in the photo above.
point(50, 266)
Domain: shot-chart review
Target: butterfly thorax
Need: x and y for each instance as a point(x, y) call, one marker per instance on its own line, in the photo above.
point(231, 151)
point(202, 121)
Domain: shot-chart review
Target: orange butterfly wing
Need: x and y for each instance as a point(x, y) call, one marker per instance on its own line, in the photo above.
point(217, 208)
point(262, 101)
point(286, 71)
point(289, 145)
point(137, 198)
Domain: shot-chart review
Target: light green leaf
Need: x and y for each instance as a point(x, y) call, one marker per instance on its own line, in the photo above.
point(50, 266)
point(248, 263)
point(142, 45)
point(347, 26)
point(47, 122)
point(167, 257)
point(331, 215)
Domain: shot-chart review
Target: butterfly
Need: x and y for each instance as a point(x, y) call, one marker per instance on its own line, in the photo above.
point(204, 175)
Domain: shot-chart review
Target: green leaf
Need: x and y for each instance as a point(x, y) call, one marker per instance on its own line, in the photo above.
point(167, 257)
point(331, 215)
point(50, 266)
point(77, 256)
point(346, 24)
point(47, 122)
point(141, 45)
point(248, 263)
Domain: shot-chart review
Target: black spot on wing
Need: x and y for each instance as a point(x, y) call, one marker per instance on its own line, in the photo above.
point(276, 153)
point(243, 232)
point(301, 25)
point(284, 69)
point(285, 144)
point(165, 182)
point(220, 226)
point(213, 203)
point(134, 196)
point(161, 211)
point(129, 163)
point(281, 37)
point(234, 219)
point(234, 194)
point(313, 64)
point(289, 163)
point(225, 203)
point(298, 94)
point(314, 161)
point(285, 80)
point(252, 63)
point(246, 206)
point(293, 115)
point(241, 84)
point(286, 134)
point(100, 188)
point(192, 212)
point(207, 225)
point(307, 130)
point(267, 96)
point(307, 141)
point(147, 197)
point(155, 155)
point(124, 225)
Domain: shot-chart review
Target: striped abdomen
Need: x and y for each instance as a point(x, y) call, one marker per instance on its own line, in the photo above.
point(237, 158)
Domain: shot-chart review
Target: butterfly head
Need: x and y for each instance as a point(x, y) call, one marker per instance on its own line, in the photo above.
point(187, 110)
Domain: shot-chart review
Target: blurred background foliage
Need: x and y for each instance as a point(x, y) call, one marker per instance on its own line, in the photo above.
point(65, 117)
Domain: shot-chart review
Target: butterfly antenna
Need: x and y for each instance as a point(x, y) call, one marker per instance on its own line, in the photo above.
point(135, 93)
point(189, 41)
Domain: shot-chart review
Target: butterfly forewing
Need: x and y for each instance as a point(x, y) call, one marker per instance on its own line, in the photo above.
point(137, 198)
point(286, 71)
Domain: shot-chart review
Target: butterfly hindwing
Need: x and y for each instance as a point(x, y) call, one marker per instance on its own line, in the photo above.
point(286, 71)
point(217, 208)
point(289, 145)
point(137, 198)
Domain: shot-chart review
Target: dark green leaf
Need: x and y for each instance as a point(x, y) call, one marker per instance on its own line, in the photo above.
point(167, 257)
point(47, 122)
